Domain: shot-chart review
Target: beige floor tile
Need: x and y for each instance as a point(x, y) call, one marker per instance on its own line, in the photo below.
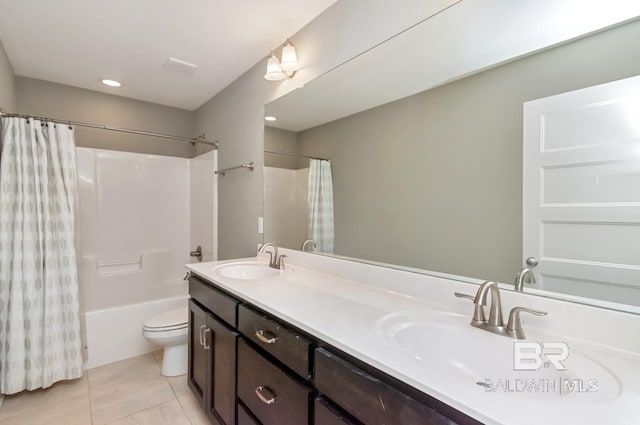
point(121, 399)
point(70, 411)
point(193, 410)
point(24, 403)
point(123, 370)
point(179, 385)
point(158, 356)
point(169, 413)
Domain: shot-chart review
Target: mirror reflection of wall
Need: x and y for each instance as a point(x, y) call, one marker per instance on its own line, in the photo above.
point(298, 195)
point(434, 180)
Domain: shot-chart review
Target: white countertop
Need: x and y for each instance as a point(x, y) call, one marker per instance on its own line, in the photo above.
point(352, 316)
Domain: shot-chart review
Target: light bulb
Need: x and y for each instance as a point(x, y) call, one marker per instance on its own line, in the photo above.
point(289, 61)
point(274, 72)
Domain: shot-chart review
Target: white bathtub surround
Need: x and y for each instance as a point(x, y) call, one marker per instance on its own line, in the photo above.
point(40, 338)
point(361, 309)
point(134, 227)
point(286, 209)
point(135, 230)
point(203, 189)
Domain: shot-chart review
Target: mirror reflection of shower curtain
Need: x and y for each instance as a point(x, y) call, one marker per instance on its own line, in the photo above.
point(320, 200)
point(40, 339)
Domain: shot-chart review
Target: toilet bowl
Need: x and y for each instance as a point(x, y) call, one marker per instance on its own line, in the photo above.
point(170, 330)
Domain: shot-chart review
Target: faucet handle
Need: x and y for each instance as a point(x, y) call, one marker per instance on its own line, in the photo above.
point(514, 326)
point(461, 295)
point(478, 311)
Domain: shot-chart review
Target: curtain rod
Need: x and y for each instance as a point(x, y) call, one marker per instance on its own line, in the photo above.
point(200, 139)
point(299, 155)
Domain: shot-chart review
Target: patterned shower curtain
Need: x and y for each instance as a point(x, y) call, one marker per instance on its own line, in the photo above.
point(40, 340)
point(320, 201)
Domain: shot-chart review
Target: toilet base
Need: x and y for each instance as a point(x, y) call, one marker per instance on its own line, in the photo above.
point(174, 360)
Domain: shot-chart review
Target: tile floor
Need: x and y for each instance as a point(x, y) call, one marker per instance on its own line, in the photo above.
point(129, 392)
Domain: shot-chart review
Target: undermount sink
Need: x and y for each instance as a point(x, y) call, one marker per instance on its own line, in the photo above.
point(486, 361)
point(246, 271)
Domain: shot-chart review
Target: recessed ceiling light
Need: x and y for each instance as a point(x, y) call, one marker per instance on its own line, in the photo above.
point(111, 83)
point(269, 118)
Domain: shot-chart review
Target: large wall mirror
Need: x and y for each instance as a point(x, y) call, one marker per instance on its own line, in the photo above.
point(426, 156)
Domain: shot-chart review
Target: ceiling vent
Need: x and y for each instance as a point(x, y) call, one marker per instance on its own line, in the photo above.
point(177, 67)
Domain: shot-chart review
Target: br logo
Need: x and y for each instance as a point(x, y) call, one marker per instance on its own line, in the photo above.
point(534, 355)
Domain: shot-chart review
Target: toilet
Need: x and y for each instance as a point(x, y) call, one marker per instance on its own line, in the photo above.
point(170, 330)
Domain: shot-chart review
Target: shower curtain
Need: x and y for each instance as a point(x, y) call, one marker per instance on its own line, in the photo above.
point(320, 201)
point(40, 340)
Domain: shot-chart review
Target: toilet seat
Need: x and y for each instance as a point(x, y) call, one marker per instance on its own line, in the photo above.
point(165, 328)
point(171, 320)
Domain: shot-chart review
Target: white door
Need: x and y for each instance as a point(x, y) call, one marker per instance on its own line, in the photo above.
point(581, 182)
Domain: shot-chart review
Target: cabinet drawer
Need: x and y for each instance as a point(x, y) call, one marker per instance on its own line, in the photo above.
point(325, 414)
point(367, 398)
point(283, 343)
point(244, 417)
point(274, 397)
point(219, 303)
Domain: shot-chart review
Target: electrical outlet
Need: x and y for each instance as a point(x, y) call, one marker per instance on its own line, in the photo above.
point(260, 225)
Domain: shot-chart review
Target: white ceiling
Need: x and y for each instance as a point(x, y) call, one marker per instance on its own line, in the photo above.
point(79, 42)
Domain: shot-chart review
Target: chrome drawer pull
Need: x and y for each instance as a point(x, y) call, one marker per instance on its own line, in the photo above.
point(266, 337)
point(259, 392)
point(204, 339)
point(201, 338)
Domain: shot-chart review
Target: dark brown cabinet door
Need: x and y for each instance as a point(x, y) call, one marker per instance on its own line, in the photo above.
point(198, 365)
point(221, 343)
point(212, 365)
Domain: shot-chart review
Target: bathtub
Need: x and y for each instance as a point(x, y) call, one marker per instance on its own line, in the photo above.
point(116, 333)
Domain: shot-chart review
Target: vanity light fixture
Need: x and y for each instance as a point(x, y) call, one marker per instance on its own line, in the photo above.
point(269, 118)
point(279, 70)
point(111, 83)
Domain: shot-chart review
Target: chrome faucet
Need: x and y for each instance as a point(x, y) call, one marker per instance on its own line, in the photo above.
point(275, 261)
point(309, 242)
point(495, 312)
point(525, 275)
point(495, 323)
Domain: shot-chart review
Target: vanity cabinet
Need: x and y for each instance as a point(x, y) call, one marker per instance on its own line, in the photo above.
point(274, 396)
point(212, 357)
point(286, 345)
point(368, 398)
point(325, 414)
point(245, 418)
point(249, 368)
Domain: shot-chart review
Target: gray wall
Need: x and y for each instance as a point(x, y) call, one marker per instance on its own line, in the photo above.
point(435, 180)
point(42, 98)
point(281, 140)
point(7, 83)
point(235, 115)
